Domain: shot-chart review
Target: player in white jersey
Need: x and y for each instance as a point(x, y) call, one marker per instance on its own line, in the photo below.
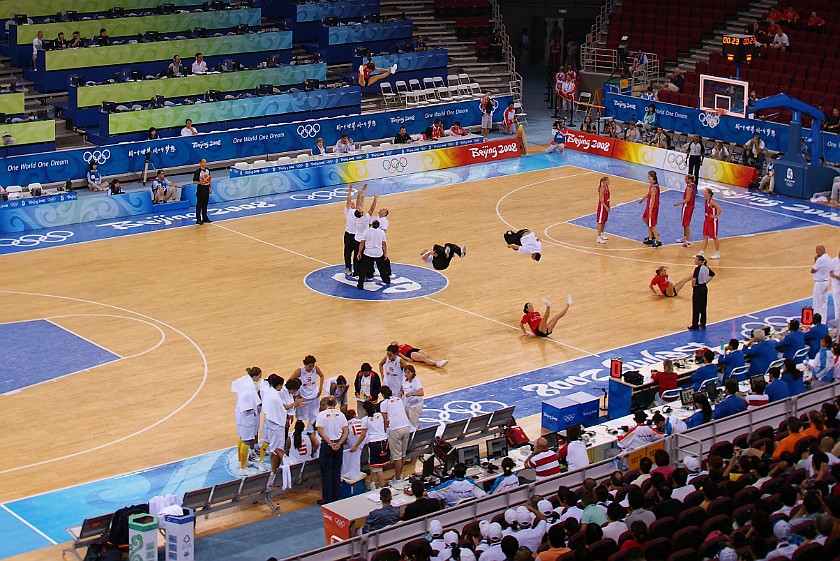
point(361, 222)
point(299, 447)
point(276, 406)
point(311, 384)
point(351, 463)
point(392, 369)
point(351, 246)
point(247, 412)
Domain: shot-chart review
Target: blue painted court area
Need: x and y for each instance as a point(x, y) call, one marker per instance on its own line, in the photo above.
point(18, 537)
point(737, 219)
point(28, 363)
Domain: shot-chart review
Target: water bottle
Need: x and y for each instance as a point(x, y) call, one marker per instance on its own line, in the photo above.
point(721, 346)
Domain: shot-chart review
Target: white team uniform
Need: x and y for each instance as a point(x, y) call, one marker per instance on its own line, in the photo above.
point(394, 375)
point(310, 394)
point(276, 415)
point(351, 463)
point(299, 455)
point(247, 407)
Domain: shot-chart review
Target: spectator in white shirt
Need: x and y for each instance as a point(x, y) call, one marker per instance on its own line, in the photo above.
point(574, 452)
point(681, 488)
point(568, 505)
point(532, 527)
point(37, 45)
point(189, 129)
point(780, 41)
point(344, 145)
point(640, 435)
point(199, 66)
point(616, 525)
point(821, 271)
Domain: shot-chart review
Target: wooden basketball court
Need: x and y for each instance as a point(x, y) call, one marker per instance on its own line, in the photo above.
point(187, 309)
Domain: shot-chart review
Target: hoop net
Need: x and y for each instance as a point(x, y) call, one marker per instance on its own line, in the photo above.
point(713, 117)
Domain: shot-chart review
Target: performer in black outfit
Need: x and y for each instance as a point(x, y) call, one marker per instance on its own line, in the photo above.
point(201, 177)
point(696, 151)
point(441, 255)
point(700, 293)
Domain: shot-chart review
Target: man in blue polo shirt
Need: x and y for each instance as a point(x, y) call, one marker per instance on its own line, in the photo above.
point(706, 372)
point(793, 341)
point(760, 352)
point(777, 389)
point(733, 358)
point(812, 336)
point(733, 403)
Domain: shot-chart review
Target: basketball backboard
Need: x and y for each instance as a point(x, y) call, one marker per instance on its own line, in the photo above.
point(724, 94)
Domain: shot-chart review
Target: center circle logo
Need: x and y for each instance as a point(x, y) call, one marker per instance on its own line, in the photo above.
point(407, 282)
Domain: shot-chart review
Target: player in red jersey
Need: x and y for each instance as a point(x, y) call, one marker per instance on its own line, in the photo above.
point(366, 77)
point(541, 326)
point(651, 214)
point(414, 354)
point(664, 283)
point(603, 211)
point(710, 224)
point(687, 210)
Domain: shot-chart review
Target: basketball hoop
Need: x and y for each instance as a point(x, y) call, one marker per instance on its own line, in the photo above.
point(712, 117)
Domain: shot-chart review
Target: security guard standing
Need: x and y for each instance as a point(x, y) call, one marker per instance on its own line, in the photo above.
point(203, 190)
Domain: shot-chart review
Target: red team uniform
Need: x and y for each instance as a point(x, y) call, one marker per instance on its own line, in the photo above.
point(688, 208)
point(662, 281)
point(603, 212)
point(364, 73)
point(533, 320)
point(651, 215)
point(710, 224)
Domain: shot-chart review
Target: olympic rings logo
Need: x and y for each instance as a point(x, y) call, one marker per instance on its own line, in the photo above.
point(33, 240)
point(569, 418)
point(337, 193)
point(677, 160)
point(97, 156)
point(395, 165)
point(459, 409)
point(710, 121)
point(309, 131)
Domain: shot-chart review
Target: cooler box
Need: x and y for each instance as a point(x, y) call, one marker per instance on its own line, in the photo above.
point(180, 536)
point(588, 407)
point(351, 488)
point(559, 413)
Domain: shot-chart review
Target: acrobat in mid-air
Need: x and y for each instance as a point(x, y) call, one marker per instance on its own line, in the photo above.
point(525, 242)
point(541, 324)
point(439, 257)
point(367, 76)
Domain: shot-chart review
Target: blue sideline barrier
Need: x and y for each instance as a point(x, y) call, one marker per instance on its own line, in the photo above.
point(729, 129)
point(129, 157)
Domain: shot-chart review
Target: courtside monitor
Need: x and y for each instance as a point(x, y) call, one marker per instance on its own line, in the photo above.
point(501, 417)
point(455, 429)
point(470, 456)
point(497, 448)
point(754, 382)
point(478, 424)
point(552, 439)
point(423, 441)
point(687, 396)
point(711, 391)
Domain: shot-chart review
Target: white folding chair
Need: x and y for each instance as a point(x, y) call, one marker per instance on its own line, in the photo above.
point(304, 157)
point(441, 89)
point(583, 110)
point(242, 165)
point(408, 98)
point(431, 91)
point(389, 98)
point(776, 364)
point(14, 192)
point(801, 353)
point(416, 89)
point(472, 87)
point(739, 372)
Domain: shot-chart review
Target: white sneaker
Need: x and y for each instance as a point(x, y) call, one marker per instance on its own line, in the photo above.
point(569, 300)
point(701, 253)
point(442, 363)
point(716, 255)
point(463, 251)
point(547, 303)
point(686, 244)
point(681, 240)
point(394, 69)
point(600, 239)
point(604, 236)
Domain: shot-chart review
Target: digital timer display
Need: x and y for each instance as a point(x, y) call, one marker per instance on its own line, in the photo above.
point(736, 41)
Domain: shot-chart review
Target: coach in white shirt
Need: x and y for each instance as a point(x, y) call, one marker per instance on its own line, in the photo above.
point(821, 271)
point(373, 248)
point(37, 45)
point(412, 393)
point(199, 66)
point(332, 428)
point(398, 427)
